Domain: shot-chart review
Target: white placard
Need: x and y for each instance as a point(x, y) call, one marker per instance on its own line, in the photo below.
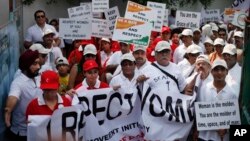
point(165, 21)
point(160, 8)
point(100, 28)
point(139, 12)
point(100, 5)
point(75, 29)
point(217, 114)
point(212, 15)
point(80, 12)
point(239, 19)
point(188, 19)
point(111, 15)
point(94, 14)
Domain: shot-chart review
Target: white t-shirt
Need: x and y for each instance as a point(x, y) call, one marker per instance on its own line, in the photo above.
point(186, 68)
point(234, 78)
point(35, 33)
point(179, 53)
point(24, 89)
point(115, 58)
point(104, 57)
point(210, 94)
point(156, 77)
point(52, 56)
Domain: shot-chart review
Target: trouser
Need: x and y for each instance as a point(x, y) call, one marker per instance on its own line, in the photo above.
point(10, 136)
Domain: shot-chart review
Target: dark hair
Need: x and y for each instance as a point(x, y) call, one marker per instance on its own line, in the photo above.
point(222, 29)
point(54, 20)
point(39, 11)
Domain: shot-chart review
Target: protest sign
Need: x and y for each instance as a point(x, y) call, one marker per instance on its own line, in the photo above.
point(80, 12)
point(100, 5)
point(165, 114)
point(132, 31)
point(111, 15)
point(100, 28)
point(239, 19)
point(139, 12)
point(217, 114)
point(212, 15)
point(75, 28)
point(160, 8)
point(165, 20)
point(229, 14)
point(94, 14)
point(187, 19)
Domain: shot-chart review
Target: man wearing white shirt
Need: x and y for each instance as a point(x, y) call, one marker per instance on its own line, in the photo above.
point(217, 90)
point(105, 51)
point(35, 33)
point(234, 70)
point(187, 39)
point(23, 89)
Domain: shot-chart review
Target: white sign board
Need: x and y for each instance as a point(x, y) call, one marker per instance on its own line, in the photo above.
point(160, 8)
point(80, 12)
point(188, 19)
point(94, 14)
point(75, 29)
point(212, 15)
point(100, 5)
point(111, 15)
point(131, 31)
point(100, 28)
point(165, 21)
point(139, 12)
point(217, 114)
point(239, 19)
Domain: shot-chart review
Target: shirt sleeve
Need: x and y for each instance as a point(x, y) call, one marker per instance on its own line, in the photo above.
point(15, 89)
point(29, 35)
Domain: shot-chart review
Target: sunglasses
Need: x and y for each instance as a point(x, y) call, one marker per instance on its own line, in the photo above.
point(41, 16)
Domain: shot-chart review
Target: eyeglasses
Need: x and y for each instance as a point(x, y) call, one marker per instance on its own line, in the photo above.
point(41, 16)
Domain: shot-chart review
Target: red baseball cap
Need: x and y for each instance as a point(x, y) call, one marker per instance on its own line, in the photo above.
point(49, 80)
point(89, 64)
point(165, 29)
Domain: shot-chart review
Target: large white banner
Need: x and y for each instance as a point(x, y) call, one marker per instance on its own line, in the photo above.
point(161, 11)
point(75, 28)
point(80, 12)
point(166, 115)
point(217, 114)
point(188, 19)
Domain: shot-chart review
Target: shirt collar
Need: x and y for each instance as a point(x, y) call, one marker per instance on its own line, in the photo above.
point(41, 101)
point(97, 84)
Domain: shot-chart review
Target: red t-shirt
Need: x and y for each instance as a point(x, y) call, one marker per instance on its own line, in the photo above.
point(35, 109)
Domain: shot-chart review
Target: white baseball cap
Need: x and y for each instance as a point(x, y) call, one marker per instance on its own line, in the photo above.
point(219, 41)
point(40, 48)
point(219, 62)
point(128, 56)
point(161, 45)
point(62, 60)
point(208, 40)
point(90, 49)
point(193, 49)
point(48, 31)
point(215, 28)
point(202, 57)
point(238, 34)
point(196, 29)
point(139, 47)
point(230, 49)
point(207, 30)
point(186, 32)
point(105, 39)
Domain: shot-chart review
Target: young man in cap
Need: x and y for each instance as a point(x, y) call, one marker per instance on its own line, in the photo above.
point(139, 54)
point(62, 66)
point(36, 32)
point(55, 50)
point(239, 43)
point(197, 39)
point(216, 90)
point(50, 100)
point(127, 78)
point(23, 89)
point(187, 39)
point(219, 44)
point(209, 46)
point(234, 69)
